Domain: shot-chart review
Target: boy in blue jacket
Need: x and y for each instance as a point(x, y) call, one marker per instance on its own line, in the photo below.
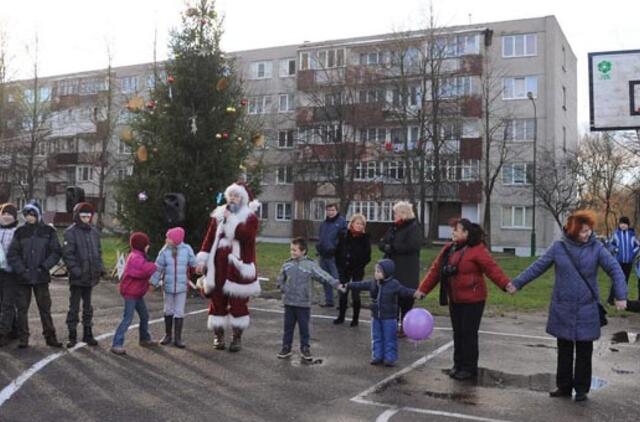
point(384, 292)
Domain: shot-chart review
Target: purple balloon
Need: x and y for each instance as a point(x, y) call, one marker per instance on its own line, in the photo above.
point(418, 324)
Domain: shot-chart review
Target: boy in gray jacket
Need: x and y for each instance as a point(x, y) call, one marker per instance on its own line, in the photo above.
point(295, 283)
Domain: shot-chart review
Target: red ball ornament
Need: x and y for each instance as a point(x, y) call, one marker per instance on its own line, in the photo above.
point(151, 104)
point(171, 79)
point(244, 102)
point(225, 135)
point(388, 146)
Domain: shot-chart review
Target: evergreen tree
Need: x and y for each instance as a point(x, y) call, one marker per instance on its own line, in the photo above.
point(191, 136)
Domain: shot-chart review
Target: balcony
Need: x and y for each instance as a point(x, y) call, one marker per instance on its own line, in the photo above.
point(55, 188)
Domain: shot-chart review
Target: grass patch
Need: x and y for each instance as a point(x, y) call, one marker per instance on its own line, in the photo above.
point(534, 298)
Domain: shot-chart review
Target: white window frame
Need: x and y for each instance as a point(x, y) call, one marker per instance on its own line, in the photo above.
point(511, 42)
point(281, 211)
point(265, 73)
point(288, 105)
point(317, 210)
point(510, 212)
point(263, 211)
point(530, 84)
point(284, 68)
point(129, 84)
point(518, 130)
point(260, 104)
point(288, 140)
point(84, 173)
point(516, 174)
point(331, 58)
point(469, 170)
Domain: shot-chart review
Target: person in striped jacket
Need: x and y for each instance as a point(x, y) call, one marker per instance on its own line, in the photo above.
point(624, 247)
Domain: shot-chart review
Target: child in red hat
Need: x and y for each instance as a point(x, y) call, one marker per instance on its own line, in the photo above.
point(133, 287)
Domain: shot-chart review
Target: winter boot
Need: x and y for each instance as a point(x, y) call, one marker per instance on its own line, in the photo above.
point(178, 337)
point(342, 309)
point(218, 339)
point(87, 336)
point(168, 327)
point(73, 337)
point(236, 344)
point(52, 341)
point(356, 314)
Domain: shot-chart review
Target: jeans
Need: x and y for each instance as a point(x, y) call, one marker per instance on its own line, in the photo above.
point(76, 294)
point(43, 299)
point(384, 343)
point(8, 293)
point(329, 265)
point(568, 378)
point(293, 314)
point(131, 305)
point(465, 321)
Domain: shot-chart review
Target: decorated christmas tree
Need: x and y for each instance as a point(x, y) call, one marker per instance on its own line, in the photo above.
point(191, 136)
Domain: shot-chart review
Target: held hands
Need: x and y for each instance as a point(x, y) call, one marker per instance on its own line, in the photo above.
point(418, 295)
point(511, 289)
point(199, 268)
point(342, 288)
point(621, 305)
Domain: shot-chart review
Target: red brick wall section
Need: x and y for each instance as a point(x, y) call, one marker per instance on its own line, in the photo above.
point(471, 149)
point(470, 192)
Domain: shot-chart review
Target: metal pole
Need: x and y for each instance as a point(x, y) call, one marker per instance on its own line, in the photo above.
point(533, 182)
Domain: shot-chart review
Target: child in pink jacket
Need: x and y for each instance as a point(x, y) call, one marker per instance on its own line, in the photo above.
point(133, 286)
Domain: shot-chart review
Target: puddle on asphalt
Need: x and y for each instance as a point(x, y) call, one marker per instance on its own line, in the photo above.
point(624, 337)
point(597, 383)
point(466, 398)
point(302, 362)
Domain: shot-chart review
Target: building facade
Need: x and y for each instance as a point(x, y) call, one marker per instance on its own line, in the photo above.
point(351, 121)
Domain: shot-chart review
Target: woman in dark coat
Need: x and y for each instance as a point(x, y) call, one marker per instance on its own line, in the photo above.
point(463, 264)
point(353, 253)
point(574, 318)
point(401, 244)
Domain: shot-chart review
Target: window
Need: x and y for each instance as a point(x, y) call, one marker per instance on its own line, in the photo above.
point(318, 209)
point(564, 139)
point(287, 68)
point(371, 58)
point(469, 170)
point(263, 211)
point(259, 105)
point(519, 130)
point(331, 58)
point(372, 135)
point(285, 138)
point(455, 87)
point(284, 175)
point(564, 59)
point(44, 94)
point(283, 211)
point(517, 217)
point(517, 88)
point(67, 87)
point(333, 99)
point(129, 84)
point(517, 174)
point(261, 70)
point(367, 170)
point(286, 103)
point(395, 170)
point(367, 208)
point(564, 97)
point(125, 172)
point(84, 173)
point(371, 96)
point(468, 44)
point(123, 148)
point(519, 45)
point(41, 148)
point(304, 61)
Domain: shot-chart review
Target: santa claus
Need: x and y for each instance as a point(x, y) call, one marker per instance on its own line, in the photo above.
point(228, 260)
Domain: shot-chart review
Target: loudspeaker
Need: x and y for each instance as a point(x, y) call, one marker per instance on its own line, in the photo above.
point(74, 195)
point(174, 209)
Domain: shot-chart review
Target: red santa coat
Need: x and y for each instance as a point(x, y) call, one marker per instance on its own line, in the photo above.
point(229, 253)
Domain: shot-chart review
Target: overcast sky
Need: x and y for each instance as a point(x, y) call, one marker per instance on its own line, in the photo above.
point(74, 33)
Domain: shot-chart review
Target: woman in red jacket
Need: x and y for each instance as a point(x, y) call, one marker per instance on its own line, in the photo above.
point(460, 267)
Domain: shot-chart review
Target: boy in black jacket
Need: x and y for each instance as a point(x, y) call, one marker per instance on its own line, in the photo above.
point(82, 255)
point(33, 251)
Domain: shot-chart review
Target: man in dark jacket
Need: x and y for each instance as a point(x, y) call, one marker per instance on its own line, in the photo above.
point(82, 255)
point(330, 230)
point(33, 251)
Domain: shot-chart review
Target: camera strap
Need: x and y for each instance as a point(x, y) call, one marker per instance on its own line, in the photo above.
point(444, 280)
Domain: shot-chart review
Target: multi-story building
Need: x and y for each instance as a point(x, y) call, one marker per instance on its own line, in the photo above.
point(354, 107)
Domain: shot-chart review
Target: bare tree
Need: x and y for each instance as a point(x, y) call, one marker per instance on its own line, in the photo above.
point(557, 191)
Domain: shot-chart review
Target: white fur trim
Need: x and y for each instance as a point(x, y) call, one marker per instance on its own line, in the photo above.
point(216, 321)
point(218, 213)
point(240, 322)
point(202, 256)
point(231, 288)
point(224, 243)
point(240, 190)
point(254, 205)
point(234, 220)
point(247, 271)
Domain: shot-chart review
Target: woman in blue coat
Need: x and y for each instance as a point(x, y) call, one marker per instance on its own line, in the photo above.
point(573, 314)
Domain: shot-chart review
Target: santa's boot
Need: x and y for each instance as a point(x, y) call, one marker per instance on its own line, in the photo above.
point(218, 338)
point(236, 344)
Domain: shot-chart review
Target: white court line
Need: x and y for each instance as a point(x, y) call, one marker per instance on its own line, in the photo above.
point(17, 383)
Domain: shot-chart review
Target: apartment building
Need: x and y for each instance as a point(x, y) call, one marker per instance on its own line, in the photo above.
point(295, 93)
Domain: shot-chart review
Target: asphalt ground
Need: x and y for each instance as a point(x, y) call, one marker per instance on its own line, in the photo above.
point(199, 383)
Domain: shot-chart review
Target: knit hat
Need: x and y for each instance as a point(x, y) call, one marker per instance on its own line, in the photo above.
point(176, 235)
point(624, 220)
point(387, 266)
point(10, 209)
point(82, 208)
point(32, 208)
point(138, 241)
